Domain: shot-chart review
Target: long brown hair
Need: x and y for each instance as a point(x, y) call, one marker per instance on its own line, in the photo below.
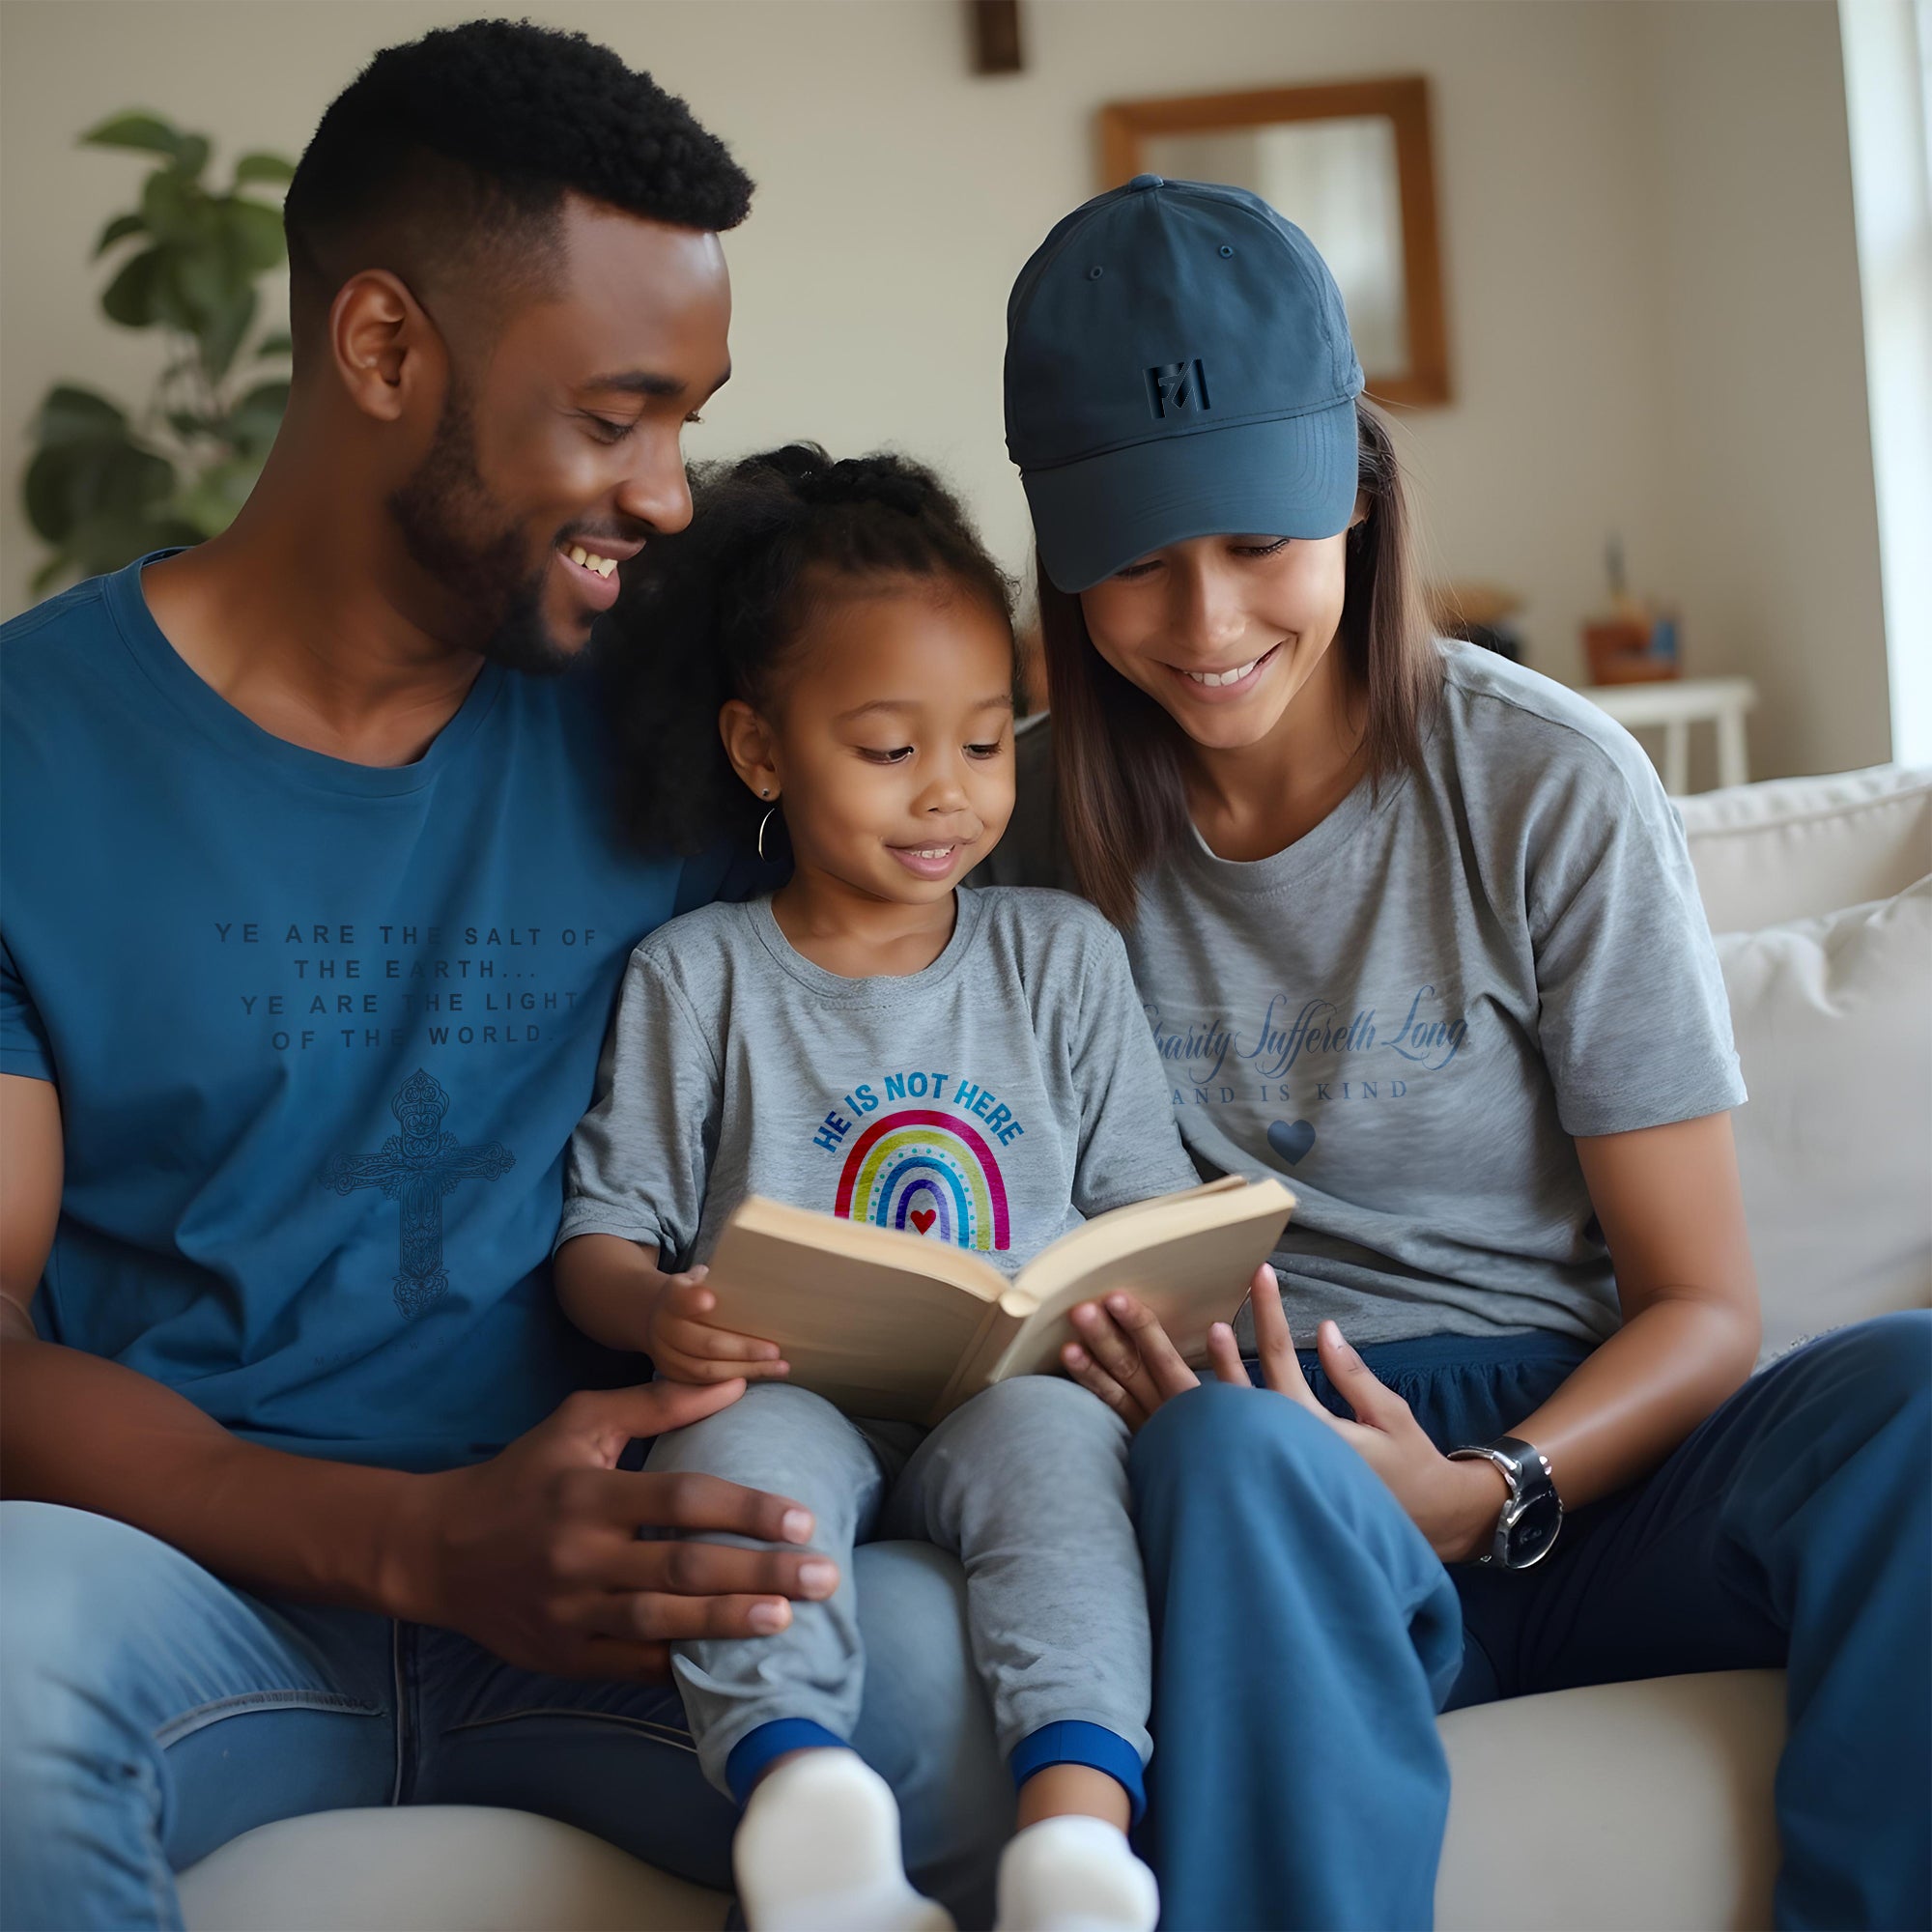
point(1117, 753)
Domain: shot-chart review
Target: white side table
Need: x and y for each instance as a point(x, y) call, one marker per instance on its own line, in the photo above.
point(1677, 703)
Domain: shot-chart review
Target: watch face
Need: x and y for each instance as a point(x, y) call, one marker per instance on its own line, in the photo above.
point(1533, 1531)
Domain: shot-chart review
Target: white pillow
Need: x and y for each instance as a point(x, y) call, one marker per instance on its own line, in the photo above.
point(1792, 848)
point(1833, 1024)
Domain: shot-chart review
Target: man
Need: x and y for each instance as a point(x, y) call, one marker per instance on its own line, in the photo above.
point(313, 920)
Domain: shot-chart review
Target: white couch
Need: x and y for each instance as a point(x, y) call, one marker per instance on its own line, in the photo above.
point(1623, 1807)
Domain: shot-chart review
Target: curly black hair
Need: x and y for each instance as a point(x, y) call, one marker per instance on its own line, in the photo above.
point(713, 613)
point(460, 148)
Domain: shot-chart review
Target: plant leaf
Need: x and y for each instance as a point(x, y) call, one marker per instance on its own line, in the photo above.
point(254, 234)
point(47, 493)
point(193, 155)
point(120, 479)
point(147, 133)
point(169, 202)
point(263, 167)
point(108, 542)
point(118, 230)
point(70, 484)
point(213, 501)
point(253, 421)
point(222, 336)
point(130, 297)
point(173, 303)
point(277, 344)
point(72, 414)
point(206, 281)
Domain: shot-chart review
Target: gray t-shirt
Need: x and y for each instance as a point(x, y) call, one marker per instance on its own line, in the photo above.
point(996, 1098)
point(1407, 1013)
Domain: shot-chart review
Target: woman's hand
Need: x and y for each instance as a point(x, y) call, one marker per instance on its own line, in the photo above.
point(1129, 1361)
point(1453, 1504)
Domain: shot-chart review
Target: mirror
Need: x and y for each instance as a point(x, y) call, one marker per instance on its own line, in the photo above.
point(1351, 166)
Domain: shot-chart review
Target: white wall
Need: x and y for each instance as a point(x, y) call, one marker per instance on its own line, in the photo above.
point(1770, 436)
point(898, 196)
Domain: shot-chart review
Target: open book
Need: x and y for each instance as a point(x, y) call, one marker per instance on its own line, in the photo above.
point(889, 1323)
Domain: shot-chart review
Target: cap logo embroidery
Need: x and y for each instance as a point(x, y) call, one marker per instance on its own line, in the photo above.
point(1177, 388)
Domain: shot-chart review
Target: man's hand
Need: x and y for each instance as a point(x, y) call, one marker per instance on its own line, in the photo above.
point(686, 1347)
point(535, 1554)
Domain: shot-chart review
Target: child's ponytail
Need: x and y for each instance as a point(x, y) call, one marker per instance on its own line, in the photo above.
point(711, 614)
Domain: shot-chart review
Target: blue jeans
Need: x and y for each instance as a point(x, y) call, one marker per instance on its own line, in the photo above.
point(150, 1712)
point(1305, 1636)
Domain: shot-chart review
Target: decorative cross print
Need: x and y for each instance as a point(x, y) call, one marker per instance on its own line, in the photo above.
point(416, 1167)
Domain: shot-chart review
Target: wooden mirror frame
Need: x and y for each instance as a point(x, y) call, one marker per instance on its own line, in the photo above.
point(1405, 100)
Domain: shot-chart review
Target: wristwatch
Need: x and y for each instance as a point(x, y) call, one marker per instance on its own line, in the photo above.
point(1533, 1514)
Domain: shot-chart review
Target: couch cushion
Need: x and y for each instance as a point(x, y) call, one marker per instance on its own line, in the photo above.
point(1613, 1808)
point(436, 1868)
point(1834, 1026)
point(1550, 1795)
point(1795, 847)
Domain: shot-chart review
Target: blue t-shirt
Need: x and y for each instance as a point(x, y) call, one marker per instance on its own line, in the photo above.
point(321, 1032)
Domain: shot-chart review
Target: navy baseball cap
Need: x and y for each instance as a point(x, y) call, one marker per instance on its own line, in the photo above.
point(1178, 365)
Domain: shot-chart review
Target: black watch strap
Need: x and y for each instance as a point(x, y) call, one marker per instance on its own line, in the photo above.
point(1531, 1516)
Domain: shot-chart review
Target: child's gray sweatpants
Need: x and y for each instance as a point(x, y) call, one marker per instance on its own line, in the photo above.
point(1026, 1483)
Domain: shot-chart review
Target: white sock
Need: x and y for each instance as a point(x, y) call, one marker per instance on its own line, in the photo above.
point(818, 1850)
point(1075, 1874)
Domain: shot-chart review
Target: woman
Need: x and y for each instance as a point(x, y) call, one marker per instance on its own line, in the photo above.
point(1417, 931)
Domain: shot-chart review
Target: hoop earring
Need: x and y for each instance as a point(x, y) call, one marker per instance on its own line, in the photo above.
point(764, 858)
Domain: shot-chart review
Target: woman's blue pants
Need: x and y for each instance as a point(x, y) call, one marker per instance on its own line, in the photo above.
point(1306, 1637)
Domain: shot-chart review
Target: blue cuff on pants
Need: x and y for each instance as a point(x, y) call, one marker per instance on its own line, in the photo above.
point(1073, 1741)
point(756, 1750)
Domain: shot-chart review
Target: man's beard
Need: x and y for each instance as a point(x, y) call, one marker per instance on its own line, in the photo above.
point(441, 512)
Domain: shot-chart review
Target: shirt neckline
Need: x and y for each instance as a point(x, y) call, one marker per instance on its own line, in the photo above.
point(877, 989)
point(1295, 864)
point(240, 736)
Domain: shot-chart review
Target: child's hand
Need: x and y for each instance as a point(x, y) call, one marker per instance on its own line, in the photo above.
point(686, 1347)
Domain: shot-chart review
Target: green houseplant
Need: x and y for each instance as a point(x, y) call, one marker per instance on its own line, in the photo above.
point(103, 486)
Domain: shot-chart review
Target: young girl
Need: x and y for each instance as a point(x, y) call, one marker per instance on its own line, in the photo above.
point(836, 653)
point(1417, 927)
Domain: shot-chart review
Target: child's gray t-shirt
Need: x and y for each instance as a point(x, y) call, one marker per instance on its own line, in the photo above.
point(995, 1099)
point(1409, 1013)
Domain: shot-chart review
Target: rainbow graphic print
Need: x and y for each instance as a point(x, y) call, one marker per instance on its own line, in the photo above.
point(927, 1172)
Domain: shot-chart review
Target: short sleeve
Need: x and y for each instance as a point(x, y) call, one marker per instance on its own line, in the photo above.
point(640, 1157)
point(1130, 1149)
point(1635, 1024)
point(23, 1039)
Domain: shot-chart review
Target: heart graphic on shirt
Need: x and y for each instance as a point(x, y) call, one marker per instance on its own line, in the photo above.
point(923, 1218)
point(1290, 1142)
